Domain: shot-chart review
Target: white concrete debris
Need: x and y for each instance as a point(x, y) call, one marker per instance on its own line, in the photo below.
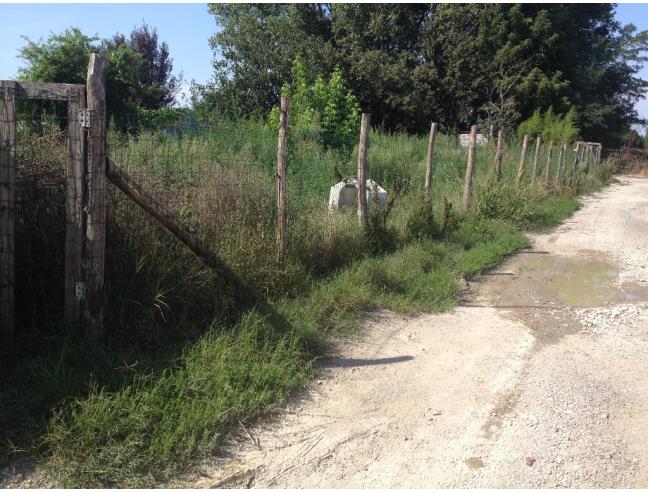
point(345, 193)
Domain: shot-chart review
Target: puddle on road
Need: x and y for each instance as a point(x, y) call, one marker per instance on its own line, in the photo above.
point(542, 289)
point(581, 283)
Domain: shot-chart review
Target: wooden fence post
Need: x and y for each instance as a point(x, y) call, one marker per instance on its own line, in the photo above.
point(7, 207)
point(576, 161)
point(536, 158)
point(525, 144)
point(469, 167)
point(362, 169)
point(548, 164)
point(599, 151)
point(282, 168)
point(561, 160)
point(499, 151)
point(429, 160)
point(74, 213)
point(95, 199)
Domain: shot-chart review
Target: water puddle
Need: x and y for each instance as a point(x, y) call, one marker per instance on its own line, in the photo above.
point(581, 283)
point(542, 289)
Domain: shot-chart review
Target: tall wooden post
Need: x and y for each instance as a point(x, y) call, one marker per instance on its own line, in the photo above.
point(561, 161)
point(536, 158)
point(548, 164)
point(74, 213)
point(588, 158)
point(499, 151)
point(95, 199)
point(7, 206)
point(576, 161)
point(520, 173)
point(282, 168)
point(469, 167)
point(429, 160)
point(362, 168)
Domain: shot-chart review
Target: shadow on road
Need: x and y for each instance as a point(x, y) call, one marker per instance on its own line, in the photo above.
point(341, 362)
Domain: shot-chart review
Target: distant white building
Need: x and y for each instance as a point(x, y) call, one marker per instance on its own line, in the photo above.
point(345, 194)
point(464, 139)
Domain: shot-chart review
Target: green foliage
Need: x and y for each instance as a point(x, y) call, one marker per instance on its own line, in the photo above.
point(319, 106)
point(550, 126)
point(379, 236)
point(149, 426)
point(64, 58)
point(421, 224)
point(409, 64)
point(507, 202)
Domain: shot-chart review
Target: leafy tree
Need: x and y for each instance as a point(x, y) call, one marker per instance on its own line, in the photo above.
point(64, 58)
point(452, 63)
point(254, 52)
point(158, 86)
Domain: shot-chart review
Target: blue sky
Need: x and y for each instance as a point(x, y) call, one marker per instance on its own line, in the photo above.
point(185, 27)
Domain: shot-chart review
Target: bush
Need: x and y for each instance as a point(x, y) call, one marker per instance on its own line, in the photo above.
point(420, 224)
point(505, 201)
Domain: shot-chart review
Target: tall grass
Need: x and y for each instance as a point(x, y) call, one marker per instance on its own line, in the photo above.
point(181, 363)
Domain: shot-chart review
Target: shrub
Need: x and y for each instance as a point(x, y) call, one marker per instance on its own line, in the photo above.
point(420, 223)
point(380, 238)
point(506, 202)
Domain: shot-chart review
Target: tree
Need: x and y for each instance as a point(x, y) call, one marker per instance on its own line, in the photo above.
point(254, 52)
point(158, 86)
point(455, 64)
point(64, 58)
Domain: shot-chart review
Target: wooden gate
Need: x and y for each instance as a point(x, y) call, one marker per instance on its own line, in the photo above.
point(85, 192)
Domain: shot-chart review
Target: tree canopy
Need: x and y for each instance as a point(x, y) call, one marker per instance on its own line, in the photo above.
point(139, 70)
point(456, 64)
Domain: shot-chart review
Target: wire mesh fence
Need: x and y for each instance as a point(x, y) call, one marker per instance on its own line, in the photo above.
point(216, 180)
point(40, 160)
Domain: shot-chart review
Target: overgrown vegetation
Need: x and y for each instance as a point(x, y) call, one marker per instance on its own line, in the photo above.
point(182, 364)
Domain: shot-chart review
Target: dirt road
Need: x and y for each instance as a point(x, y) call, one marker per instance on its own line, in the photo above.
point(538, 379)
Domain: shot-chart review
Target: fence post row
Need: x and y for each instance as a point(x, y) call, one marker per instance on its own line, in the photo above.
point(429, 160)
point(362, 169)
point(520, 172)
point(95, 199)
point(469, 167)
point(7, 205)
point(282, 167)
